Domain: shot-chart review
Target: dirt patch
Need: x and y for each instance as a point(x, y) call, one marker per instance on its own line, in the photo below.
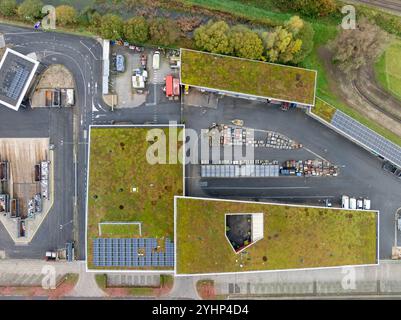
point(56, 76)
point(363, 95)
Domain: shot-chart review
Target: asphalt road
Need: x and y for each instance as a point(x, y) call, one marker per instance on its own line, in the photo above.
point(361, 174)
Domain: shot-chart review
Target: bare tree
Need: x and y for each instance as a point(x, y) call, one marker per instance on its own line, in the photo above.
point(359, 47)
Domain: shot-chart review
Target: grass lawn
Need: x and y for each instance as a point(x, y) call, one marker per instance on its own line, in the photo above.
point(294, 237)
point(248, 76)
point(324, 110)
point(118, 163)
point(388, 69)
point(119, 230)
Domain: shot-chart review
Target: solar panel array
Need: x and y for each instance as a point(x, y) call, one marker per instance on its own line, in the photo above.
point(371, 139)
point(141, 252)
point(237, 171)
point(18, 82)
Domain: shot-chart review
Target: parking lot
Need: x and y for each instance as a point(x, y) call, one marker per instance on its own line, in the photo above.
point(134, 63)
point(361, 173)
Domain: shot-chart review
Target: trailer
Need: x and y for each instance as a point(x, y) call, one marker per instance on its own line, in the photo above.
point(4, 171)
point(14, 208)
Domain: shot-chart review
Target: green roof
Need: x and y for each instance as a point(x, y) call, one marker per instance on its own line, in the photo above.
point(118, 163)
point(295, 237)
point(249, 77)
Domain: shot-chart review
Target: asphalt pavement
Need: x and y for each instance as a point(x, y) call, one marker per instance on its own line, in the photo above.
point(360, 175)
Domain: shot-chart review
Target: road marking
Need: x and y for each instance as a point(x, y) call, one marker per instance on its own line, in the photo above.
point(315, 154)
point(88, 49)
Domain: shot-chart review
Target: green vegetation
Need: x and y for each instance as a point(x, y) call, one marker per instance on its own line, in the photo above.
point(289, 43)
point(388, 69)
point(323, 110)
point(294, 237)
point(8, 8)
point(163, 31)
point(111, 27)
point(248, 76)
point(119, 230)
point(66, 15)
point(101, 280)
point(136, 30)
point(314, 8)
point(118, 163)
point(30, 10)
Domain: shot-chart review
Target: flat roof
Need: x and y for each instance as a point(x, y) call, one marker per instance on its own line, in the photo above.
point(16, 74)
point(123, 187)
point(246, 77)
point(294, 237)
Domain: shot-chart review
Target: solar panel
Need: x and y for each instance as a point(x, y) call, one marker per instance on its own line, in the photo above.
point(125, 252)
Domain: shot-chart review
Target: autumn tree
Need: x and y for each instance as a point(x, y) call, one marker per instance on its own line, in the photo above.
point(111, 27)
point(8, 8)
point(30, 10)
point(163, 31)
point(136, 30)
point(280, 45)
point(66, 15)
point(355, 48)
point(214, 37)
point(246, 43)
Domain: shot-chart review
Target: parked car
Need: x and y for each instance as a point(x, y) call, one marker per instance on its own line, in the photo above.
point(328, 203)
point(156, 60)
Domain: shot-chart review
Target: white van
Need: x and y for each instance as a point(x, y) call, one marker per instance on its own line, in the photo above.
point(156, 60)
point(352, 203)
point(345, 202)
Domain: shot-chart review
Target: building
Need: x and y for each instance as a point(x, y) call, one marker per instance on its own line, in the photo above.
point(16, 74)
point(249, 79)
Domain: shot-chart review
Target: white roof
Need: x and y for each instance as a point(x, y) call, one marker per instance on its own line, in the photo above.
point(28, 81)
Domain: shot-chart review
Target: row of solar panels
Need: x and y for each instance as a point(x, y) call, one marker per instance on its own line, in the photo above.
point(374, 141)
point(235, 171)
point(131, 253)
point(18, 82)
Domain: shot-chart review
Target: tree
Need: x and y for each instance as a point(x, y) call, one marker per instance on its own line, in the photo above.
point(163, 31)
point(294, 25)
point(136, 30)
point(358, 47)
point(214, 37)
point(66, 15)
point(306, 35)
point(8, 8)
point(111, 27)
point(280, 45)
point(314, 8)
point(30, 10)
point(246, 43)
